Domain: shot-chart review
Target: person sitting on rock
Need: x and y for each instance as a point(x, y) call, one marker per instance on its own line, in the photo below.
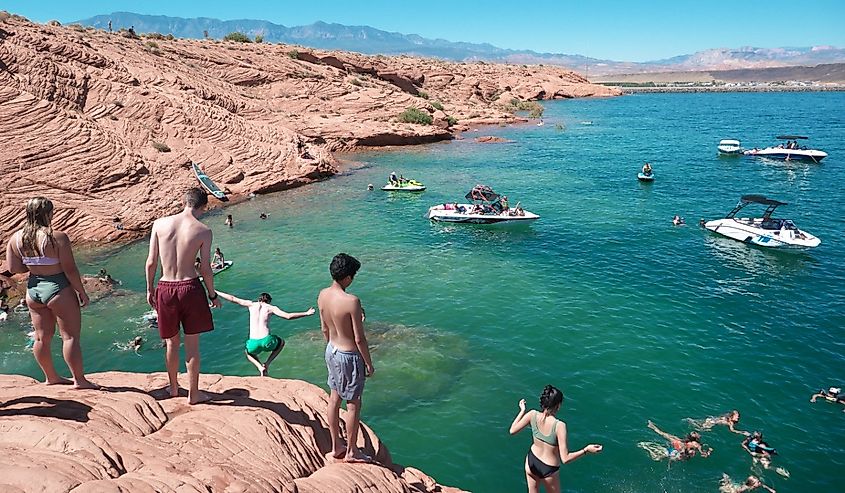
point(260, 339)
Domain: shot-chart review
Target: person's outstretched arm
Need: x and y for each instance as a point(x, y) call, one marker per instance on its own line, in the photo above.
point(234, 299)
point(565, 455)
point(290, 316)
point(521, 420)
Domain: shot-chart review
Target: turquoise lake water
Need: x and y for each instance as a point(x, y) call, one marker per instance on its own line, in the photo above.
point(633, 318)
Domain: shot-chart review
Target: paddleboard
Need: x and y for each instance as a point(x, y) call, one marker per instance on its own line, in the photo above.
point(644, 177)
point(207, 184)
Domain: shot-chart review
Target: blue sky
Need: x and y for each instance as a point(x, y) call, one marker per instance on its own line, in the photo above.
point(619, 30)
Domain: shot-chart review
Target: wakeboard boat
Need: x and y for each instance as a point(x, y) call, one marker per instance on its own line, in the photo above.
point(790, 151)
point(763, 231)
point(487, 207)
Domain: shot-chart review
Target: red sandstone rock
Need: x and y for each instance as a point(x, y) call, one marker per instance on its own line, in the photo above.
point(85, 117)
point(258, 434)
point(490, 139)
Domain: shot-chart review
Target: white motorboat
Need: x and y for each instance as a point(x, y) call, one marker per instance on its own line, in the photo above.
point(487, 207)
point(763, 231)
point(790, 151)
point(729, 147)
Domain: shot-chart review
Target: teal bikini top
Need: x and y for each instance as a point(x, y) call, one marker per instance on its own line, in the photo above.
point(551, 438)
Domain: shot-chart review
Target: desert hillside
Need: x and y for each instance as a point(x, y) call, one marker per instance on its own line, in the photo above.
point(106, 124)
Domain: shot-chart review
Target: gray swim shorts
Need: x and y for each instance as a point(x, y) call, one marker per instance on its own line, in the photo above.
point(347, 372)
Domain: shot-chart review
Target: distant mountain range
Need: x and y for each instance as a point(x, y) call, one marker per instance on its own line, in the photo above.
point(365, 39)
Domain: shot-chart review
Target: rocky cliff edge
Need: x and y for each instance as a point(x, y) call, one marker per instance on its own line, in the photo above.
point(257, 435)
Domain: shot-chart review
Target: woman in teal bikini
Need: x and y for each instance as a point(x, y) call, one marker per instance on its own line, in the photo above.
point(54, 292)
point(549, 447)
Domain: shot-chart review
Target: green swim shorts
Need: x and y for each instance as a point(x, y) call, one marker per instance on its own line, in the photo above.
point(265, 344)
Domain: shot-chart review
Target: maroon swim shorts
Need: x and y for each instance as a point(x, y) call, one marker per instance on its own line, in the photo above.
point(182, 302)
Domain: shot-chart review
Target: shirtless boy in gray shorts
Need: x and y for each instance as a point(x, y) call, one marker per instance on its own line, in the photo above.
point(347, 354)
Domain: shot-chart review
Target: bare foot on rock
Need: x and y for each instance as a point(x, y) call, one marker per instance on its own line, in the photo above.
point(59, 381)
point(357, 457)
point(85, 384)
point(199, 398)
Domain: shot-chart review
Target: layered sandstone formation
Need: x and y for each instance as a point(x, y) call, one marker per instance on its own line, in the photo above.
point(258, 435)
point(106, 125)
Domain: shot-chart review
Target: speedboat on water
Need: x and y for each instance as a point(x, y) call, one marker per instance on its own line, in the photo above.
point(790, 151)
point(404, 186)
point(729, 147)
point(763, 231)
point(487, 207)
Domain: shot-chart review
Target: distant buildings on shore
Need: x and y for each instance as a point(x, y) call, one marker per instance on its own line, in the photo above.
point(722, 86)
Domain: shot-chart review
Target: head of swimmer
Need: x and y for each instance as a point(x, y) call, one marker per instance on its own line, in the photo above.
point(265, 298)
point(343, 269)
point(551, 399)
point(733, 416)
point(196, 201)
point(693, 436)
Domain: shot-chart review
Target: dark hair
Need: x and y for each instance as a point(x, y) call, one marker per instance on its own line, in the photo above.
point(344, 265)
point(693, 436)
point(265, 298)
point(195, 198)
point(551, 397)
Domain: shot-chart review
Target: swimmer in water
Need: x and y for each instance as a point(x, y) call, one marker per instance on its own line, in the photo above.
point(751, 483)
point(136, 343)
point(678, 221)
point(263, 215)
point(833, 394)
point(761, 452)
point(728, 419)
point(680, 448)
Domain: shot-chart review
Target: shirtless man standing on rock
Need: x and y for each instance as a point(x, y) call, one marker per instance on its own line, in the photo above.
point(179, 296)
point(347, 355)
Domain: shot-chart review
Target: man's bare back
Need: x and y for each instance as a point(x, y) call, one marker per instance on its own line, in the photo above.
point(179, 237)
point(338, 310)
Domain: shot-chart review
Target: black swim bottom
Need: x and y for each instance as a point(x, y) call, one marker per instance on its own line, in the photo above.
point(539, 468)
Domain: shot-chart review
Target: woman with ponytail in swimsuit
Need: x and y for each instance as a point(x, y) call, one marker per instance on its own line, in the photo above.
point(54, 292)
point(549, 447)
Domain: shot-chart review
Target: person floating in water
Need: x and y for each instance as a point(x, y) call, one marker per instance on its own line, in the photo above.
point(136, 343)
point(833, 394)
point(218, 261)
point(646, 169)
point(751, 483)
point(370, 187)
point(761, 452)
point(678, 449)
point(263, 215)
point(549, 447)
point(260, 339)
point(728, 419)
point(229, 221)
point(678, 220)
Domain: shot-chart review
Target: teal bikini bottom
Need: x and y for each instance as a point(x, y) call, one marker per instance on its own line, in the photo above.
point(42, 289)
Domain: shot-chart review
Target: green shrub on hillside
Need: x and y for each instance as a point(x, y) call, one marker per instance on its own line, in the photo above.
point(423, 94)
point(415, 115)
point(534, 109)
point(152, 45)
point(154, 36)
point(293, 54)
point(259, 38)
point(237, 37)
point(451, 120)
point(437, 105)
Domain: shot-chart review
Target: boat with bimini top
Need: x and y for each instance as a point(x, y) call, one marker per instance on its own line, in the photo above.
point(487, 207)
point(790, 151)
point(763, 231)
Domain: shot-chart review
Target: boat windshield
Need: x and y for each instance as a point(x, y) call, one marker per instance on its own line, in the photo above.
point(771, 223)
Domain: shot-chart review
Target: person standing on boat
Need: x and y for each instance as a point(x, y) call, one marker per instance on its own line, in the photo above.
point(549, 448)
point(393, 179)
point(647, 169)
point(54, 293)
point(179, 297)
